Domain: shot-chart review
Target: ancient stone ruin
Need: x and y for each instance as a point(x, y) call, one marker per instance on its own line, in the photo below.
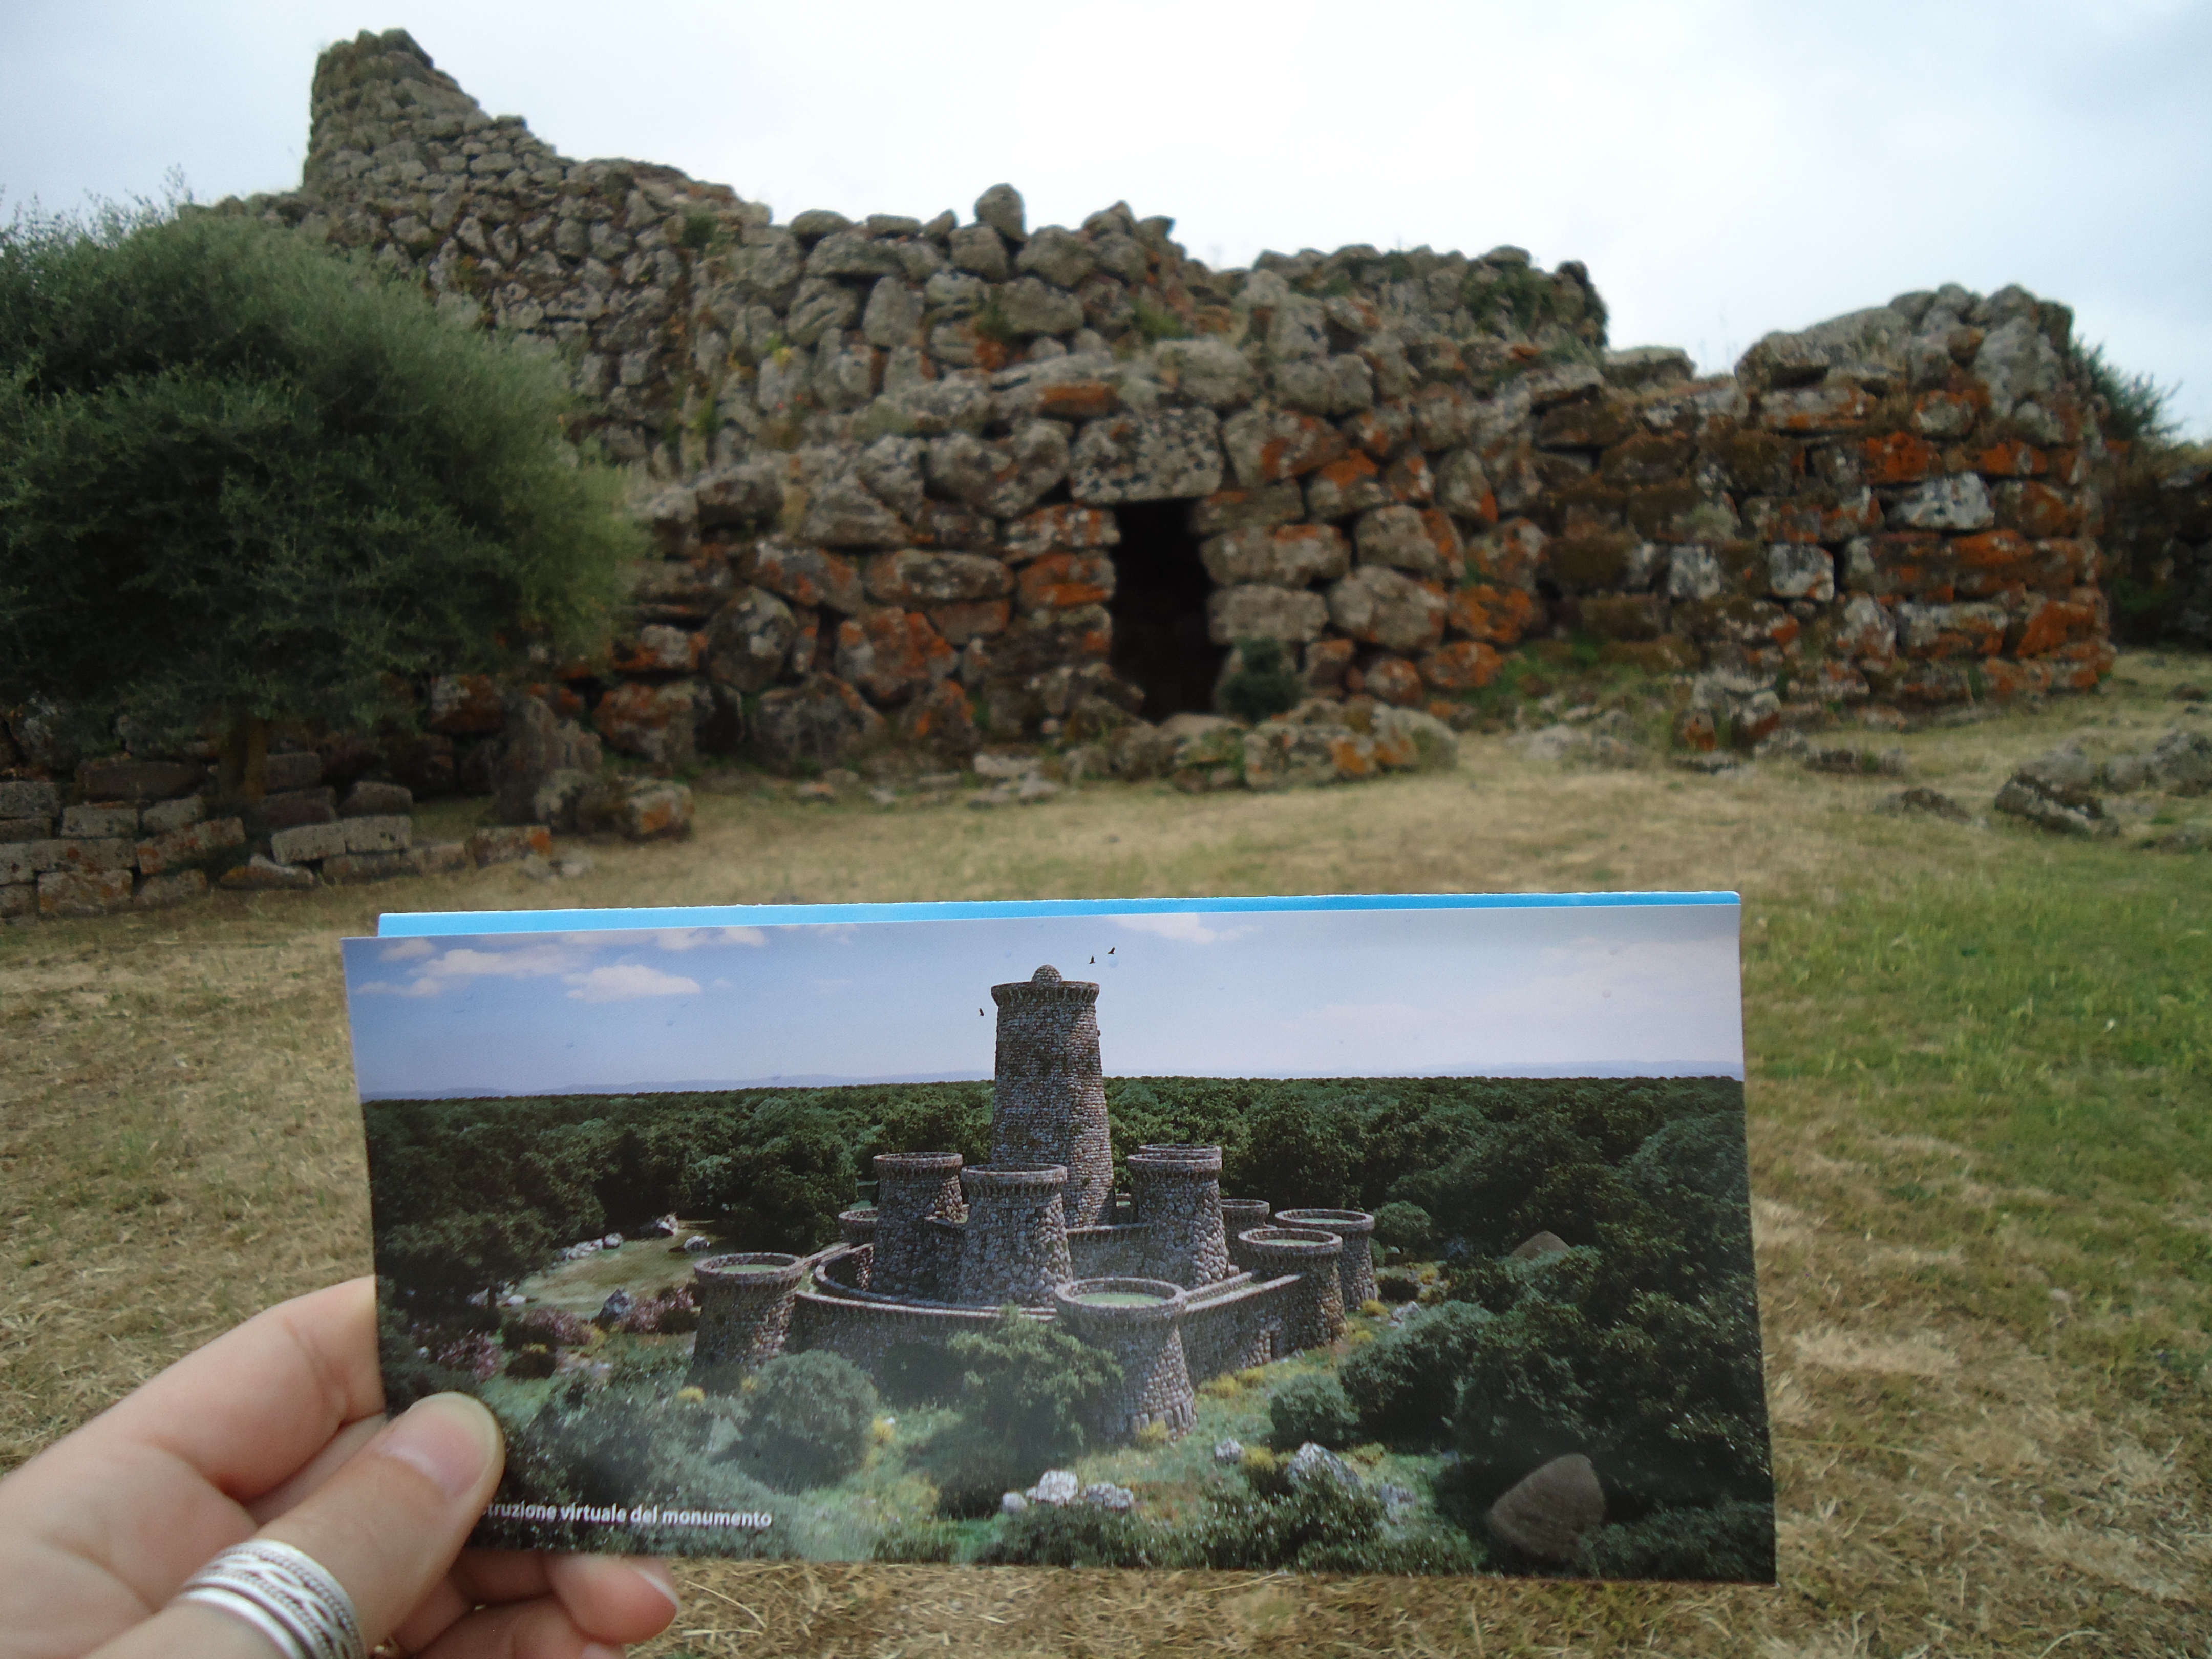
point(957, 482)
point(1153, 1275)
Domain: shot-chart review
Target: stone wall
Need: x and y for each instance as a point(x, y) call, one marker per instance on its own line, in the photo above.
point(956, 482)
point(2162, 527)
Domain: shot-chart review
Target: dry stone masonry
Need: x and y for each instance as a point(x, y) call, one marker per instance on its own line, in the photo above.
point(949, 482)
point(1153, 1276)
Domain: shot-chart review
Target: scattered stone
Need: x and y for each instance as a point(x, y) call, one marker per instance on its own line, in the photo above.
point(1034, 789)
point(821, 794)
point(1228, 1451)
point(1313, 1462)
point(1104, 1495)
point(1547, 1512)
point(616, 1309)
point(1716, 764)
point(2054, 806)
point(307, 843)
point(2066, 767)
point(1537, 1245)
point(84, 892)
point(509, 845)
point(441, 858)
point(261, 874)
point(382, 833)
point(1920, 798)
point(1055, 1486)
point(1011, 1502)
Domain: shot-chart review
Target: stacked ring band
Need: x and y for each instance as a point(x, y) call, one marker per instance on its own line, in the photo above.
point(286, 1594)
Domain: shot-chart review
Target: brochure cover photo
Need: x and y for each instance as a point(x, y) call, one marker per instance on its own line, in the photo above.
point(1314, 1236)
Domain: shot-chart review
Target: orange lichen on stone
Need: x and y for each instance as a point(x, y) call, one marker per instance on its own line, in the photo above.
point(1394, 680)
point(2009, 457)
point(1495, 615)
point(1461, 665)
point(1077, 400)
point(1899, 457)
point(1061, 582)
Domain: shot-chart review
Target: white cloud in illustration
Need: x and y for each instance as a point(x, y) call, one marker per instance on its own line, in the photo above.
point(1184, 927)
point(407, 950)
point(627, 982)
point(463, 963)
point(692, 938)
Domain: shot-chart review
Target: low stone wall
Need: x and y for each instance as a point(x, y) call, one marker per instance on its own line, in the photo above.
point(865, 1332)
point(955, 482)
point(1245, 1324)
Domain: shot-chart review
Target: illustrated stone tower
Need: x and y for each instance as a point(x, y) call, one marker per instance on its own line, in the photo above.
point(1049, 1103)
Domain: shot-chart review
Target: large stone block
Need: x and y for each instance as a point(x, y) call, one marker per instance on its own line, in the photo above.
point(191, 843)
point(161, 815)
point(308, 844)
point(822, 721)
point(384, 833)
point(137, 779)
point(1378, 605)
point(22, 798)
point(100, 822)
point(1266, 445)
point(84, 892)
point(464, 704)
point(1286, 556)
point(1259, 611)
point(1147, 458)
point(911, 579)
point(807, 575)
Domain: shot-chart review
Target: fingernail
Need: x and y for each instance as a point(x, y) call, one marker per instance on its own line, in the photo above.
point(449, 1438)
point(599, 1650)
point(662, 1580)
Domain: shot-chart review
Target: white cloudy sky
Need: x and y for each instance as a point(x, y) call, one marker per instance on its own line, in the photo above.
point(1289, 993)
point(1724, 166)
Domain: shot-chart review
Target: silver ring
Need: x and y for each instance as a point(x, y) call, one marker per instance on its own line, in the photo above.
point(286, 1594)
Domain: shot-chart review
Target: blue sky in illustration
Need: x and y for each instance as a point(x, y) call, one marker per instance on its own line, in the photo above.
point(1650, 990)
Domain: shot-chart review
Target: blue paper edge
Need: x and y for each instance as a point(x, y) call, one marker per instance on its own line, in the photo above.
point(435, 924)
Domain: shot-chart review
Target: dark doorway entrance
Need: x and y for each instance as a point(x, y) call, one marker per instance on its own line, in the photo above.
point(1160, 590)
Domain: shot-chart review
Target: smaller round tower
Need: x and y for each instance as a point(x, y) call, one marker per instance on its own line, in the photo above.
point(1139, 1322)
point(1316, 1318)
point(1239, 1216)
point(1178, 1195)
point(745, 1313)
point(1014, 1247)
point(1356, 1266)
point(911, 1188)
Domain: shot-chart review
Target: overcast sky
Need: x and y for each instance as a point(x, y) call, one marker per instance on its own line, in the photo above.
point(1723, 169)
point(1444, 992)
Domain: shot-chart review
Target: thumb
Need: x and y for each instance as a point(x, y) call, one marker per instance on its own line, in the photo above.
point(389, 1523)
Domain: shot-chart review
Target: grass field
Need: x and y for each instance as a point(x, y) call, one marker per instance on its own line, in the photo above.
point(1980, 1096)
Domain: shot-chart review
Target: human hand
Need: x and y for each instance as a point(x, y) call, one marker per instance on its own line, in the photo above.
point(276, 1430)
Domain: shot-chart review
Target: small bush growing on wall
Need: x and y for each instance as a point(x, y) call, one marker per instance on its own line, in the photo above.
point(1265, 682)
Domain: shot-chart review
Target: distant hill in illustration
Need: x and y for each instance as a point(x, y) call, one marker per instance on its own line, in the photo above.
point(827, 1080)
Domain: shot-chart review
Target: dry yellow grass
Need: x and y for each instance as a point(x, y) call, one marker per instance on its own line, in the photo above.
point(1970, 1460)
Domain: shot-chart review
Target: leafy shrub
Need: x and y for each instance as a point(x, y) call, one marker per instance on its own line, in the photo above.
point(1265, 682)
point(928, 1541)
point(807, 1424)
point(1404, 1384)
point(1301, 1150)
point(1076, 1535)
point(919, 1374)
point(1407, 1227)
point(1312, 1407)
point(1035, 1387)
point(1732, 1540)
point(250, 478)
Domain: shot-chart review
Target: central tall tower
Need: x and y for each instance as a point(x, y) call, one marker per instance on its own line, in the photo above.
point(1048, 1100)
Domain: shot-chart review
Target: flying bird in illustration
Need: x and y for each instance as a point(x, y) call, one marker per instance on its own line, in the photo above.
point(1111, 948)
point(979, 1013)
point(1095, 959)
